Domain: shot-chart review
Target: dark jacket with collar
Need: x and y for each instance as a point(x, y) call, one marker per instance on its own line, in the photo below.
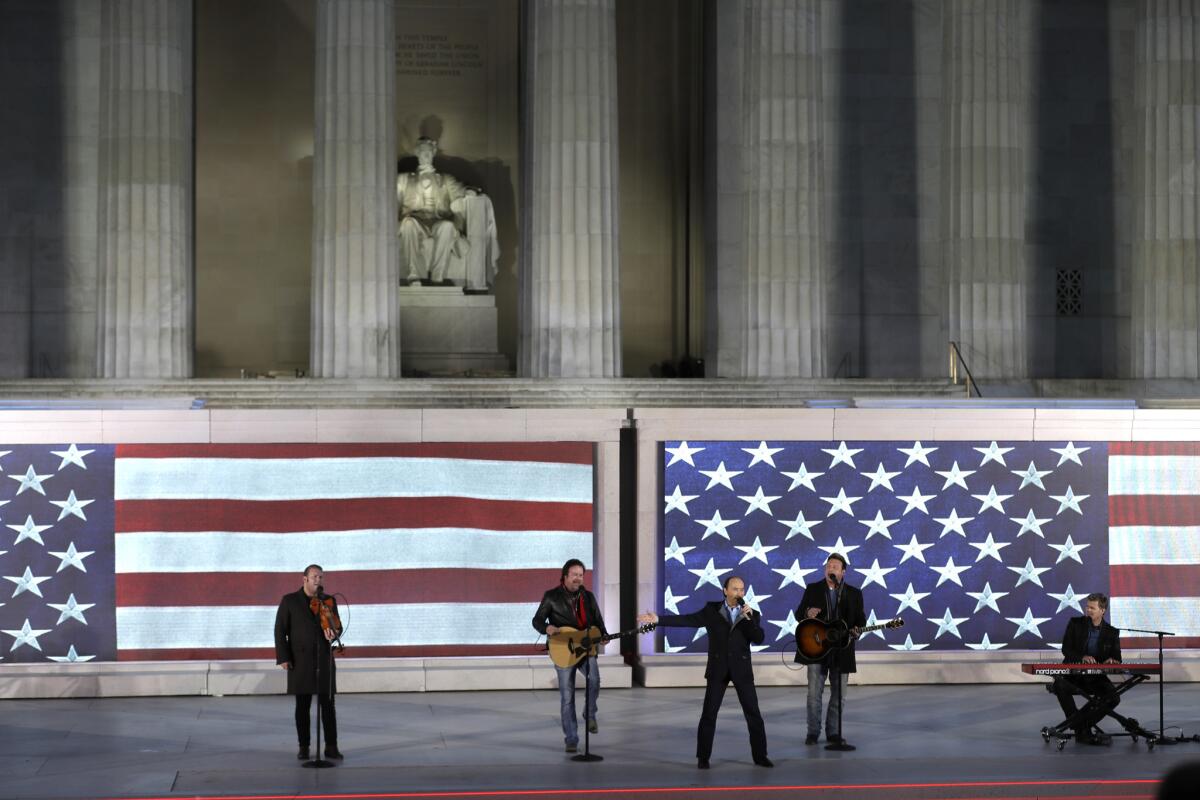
point(300, 640)
point(728, 645)
point(558, 609)
point(1074, 645)
point(849, 610)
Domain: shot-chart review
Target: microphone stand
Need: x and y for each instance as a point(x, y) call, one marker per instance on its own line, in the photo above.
point(1162, 739)
point(587, 755)
point(317, 762)
point(835, 673)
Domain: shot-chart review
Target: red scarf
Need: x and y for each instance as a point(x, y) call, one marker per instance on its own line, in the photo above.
point(581, 611)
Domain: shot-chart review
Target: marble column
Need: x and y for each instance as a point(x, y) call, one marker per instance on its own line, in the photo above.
point(985, 95)
point(570, 317)
point(355, 300)
point(144, 310)
point(1166, 246)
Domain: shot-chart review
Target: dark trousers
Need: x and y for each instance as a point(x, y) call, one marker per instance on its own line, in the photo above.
point(748, 697)
point(304, 720)
point(1098, 685)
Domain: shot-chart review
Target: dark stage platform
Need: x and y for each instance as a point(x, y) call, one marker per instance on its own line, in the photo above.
point(913, 742)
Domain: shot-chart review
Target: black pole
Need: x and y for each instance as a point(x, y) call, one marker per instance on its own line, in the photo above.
point(1162, 738)
point(317, 762)
point(587, 755)
point(836, 674)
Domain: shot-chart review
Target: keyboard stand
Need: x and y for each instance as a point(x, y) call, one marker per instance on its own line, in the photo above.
point(1064, 731)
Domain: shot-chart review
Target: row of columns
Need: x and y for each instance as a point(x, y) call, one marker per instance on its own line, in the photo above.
point(767, 215)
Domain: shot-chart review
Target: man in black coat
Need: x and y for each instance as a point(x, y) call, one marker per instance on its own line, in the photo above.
point(831, 599)
point(1089, 640)
point(302, 647)
point(732, 627)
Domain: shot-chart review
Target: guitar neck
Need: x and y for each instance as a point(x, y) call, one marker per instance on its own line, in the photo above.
point(630, 632)
point(878, 627)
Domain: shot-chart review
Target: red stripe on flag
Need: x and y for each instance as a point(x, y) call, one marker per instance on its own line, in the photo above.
point(1154, 448)
point(397, 651)
point(556, 452)
point(166, 589)
point(360, 513)
point(1155, 580)
point(1153, 509)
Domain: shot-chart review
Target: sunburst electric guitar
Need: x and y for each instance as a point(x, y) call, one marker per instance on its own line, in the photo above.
point(570, 645)
point(815, 638)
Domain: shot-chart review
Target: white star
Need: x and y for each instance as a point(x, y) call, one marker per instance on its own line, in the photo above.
point(913, 549)
point(993, 453)
point(1029, 572)
point(1069, 453)
point(31, 480)
point(1031, 475)
point(72, 455)
point(674, 552)
point(26, 635)
point(987, 598)
point(758, 502)
point(762, 453)
point(991, 500)
point(679, 500)
point(989, 548)
point(757, 551)
point(716, 525)
point(3, 453)
point(799, 525)
point(955, 477)
point(1069, 500)
point(842, 455)
point(71, 506)
point(26, 582)
point(70, 610)
point(699, 632)
point(71, 657)
point(841, 503)
point(875, 574)
point(879, 525)
point(947, 623)
point(837, 547)
point(721, 476)
point(753, 599)
point(908, 645)
point(72, 558)
point(910, 599)
point(682, 453)
point(29, 531)
point(1027, 623)
point(709, 574)
point(1030, 524)
point(880, 477)
point(787, 627)
point(1068, 599)
point(670, 648)
point(986, 644)
point(915, 500)
point(953, 524)
point(792, 574)
point(949, 572)
point(802, 477)
point(758, 648)
point(872, 620)
point(671, 601)
point(916, 453)
point(1069, 550)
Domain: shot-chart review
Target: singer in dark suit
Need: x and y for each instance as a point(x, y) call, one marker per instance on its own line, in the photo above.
point(732, 627)
point(1089, 640)
point(831, 599)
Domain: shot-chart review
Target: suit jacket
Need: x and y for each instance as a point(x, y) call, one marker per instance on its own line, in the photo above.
point(300, 640)
point(728, 645)
point(849, 610)
point(1075, 641)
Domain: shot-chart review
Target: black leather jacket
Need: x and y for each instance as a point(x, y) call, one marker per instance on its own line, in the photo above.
point(558, 609)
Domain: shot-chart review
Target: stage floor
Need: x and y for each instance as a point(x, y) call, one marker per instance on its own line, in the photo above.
point(913, 742)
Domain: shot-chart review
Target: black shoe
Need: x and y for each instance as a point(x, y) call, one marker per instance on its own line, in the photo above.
point(593, 726)
point(1089, 738)
point(764, 762)
point(810, 739)
point(303, 754)
point(702, 763)
point(333, 752)
point(571, 748)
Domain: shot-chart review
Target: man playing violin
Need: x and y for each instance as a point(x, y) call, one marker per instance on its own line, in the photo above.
point(305, 627)
point(1089, 640)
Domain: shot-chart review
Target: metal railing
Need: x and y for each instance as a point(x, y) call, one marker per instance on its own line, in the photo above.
point(956, 358)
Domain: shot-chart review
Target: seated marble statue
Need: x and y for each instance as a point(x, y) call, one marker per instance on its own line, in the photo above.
point(447, 230)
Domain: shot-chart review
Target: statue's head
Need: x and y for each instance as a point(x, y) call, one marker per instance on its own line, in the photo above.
point(426, 149)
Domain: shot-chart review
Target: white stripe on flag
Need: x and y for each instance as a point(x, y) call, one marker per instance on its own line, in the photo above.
point(1153, 544)
point(1153, 475)
point(336, 551)
point(209, 627)
point(329, 478)
point(1174, 614)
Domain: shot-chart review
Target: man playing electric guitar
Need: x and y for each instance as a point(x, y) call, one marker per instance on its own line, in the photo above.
point(831, 599)
point(571, 605)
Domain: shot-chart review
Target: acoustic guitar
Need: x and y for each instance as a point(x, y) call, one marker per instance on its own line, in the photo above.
point(570, 645)
point(815, 638)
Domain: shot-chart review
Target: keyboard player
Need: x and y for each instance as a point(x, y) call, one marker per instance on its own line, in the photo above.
point(1089, 640)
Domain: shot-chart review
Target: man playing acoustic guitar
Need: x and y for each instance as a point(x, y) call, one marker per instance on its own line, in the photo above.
point(572, 606)
point(831, 599)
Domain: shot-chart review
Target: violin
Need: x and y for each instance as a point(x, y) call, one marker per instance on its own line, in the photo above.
point(323, 608)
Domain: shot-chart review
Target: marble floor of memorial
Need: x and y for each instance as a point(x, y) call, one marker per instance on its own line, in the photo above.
point(913, 742)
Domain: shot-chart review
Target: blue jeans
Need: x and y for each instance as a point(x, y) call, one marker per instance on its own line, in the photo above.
point(590, 668)
point(817, 674)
